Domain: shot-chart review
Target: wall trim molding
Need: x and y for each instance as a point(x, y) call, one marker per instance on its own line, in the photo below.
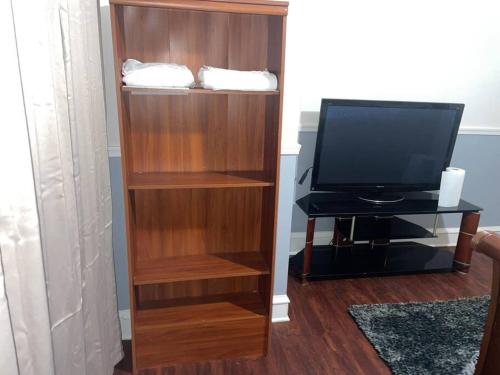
point(446, 237)
point(467, 130)
point(114, 152)
point(290, 149)
point(479, 130)
point(280, 314)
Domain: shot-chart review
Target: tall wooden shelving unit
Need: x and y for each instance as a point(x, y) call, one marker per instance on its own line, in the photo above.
point(200, 174)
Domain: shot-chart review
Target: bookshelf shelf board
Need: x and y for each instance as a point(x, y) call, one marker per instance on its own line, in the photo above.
point(192, 180)
point(200, 267)
point(188, 91)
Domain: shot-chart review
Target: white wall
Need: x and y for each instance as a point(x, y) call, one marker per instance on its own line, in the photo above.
point(429, 50)
point(424, 50)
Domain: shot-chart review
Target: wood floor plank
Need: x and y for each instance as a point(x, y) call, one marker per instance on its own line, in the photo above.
point(322, 338)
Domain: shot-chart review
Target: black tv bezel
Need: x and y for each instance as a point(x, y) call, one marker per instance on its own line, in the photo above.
point(381, 187)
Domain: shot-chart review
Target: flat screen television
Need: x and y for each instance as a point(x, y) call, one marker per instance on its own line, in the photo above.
point(381, 147)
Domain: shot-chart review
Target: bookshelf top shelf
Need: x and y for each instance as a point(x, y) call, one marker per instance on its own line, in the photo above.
point(185, 91)
point(279, 8)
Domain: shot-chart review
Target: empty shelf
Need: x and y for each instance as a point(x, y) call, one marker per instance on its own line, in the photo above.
point(191, 180)
point(200, 267)
point(199, 310)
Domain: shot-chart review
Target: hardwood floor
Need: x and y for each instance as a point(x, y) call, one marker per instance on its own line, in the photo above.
point(322, 338)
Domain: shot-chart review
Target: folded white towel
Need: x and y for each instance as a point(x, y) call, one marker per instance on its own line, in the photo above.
point(225, 79)
point(138, 74)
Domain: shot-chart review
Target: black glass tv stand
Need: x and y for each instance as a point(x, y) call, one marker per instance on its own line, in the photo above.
point(365, 233)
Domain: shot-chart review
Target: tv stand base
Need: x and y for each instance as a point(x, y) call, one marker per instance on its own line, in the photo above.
point(363, 233)
point(362, 260)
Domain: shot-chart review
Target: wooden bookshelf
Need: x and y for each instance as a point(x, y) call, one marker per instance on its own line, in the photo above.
point(200, 175)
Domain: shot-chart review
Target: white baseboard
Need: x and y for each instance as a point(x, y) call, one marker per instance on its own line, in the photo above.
point(114, 151)
point(446, 237)
point(280, 308)
point(125, 324)
point(290, 149)
point(280, 314)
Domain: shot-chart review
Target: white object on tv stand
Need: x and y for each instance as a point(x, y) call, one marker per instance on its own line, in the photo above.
point(452, 181)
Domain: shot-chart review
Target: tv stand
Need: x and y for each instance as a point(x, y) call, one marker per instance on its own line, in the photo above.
point(381, 198)
point(363, 235)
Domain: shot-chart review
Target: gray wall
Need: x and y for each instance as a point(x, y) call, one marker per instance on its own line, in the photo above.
point(479, 155)
point(286, 199)
point(119, 238)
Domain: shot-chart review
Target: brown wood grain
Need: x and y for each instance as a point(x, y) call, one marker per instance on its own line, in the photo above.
point(211, 340)
point(180, 36)
point(489, 357)
point(242, 6)
point(200, 171)
point(146, 34)
point(322, 338)
point(272, 153)
point(248, 42)
point(190, 180)
point(199, 310)
point(463, 252)
point(185, 222)
point(246, 130)
point(118, 36)
point(225, 133)
point(197, 267)
point(161, 294)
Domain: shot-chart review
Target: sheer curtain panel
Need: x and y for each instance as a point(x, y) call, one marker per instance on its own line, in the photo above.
point(58, 312)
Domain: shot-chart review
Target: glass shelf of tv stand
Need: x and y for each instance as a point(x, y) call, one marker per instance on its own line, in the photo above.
point(333, 204)
point(377, 227)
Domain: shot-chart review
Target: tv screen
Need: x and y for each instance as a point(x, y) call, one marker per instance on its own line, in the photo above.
point(383, 146)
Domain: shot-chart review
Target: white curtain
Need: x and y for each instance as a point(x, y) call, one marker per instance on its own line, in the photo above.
point(58, 312)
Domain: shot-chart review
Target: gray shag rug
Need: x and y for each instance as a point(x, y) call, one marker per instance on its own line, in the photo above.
point(441, 337)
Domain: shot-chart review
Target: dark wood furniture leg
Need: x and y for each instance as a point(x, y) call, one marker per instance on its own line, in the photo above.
point(463, 251)
point(306, 269)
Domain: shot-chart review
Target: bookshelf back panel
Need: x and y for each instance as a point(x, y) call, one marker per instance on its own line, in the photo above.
point(196, 38)
point(156, 294)
point(198, 133)
point(196, 221)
